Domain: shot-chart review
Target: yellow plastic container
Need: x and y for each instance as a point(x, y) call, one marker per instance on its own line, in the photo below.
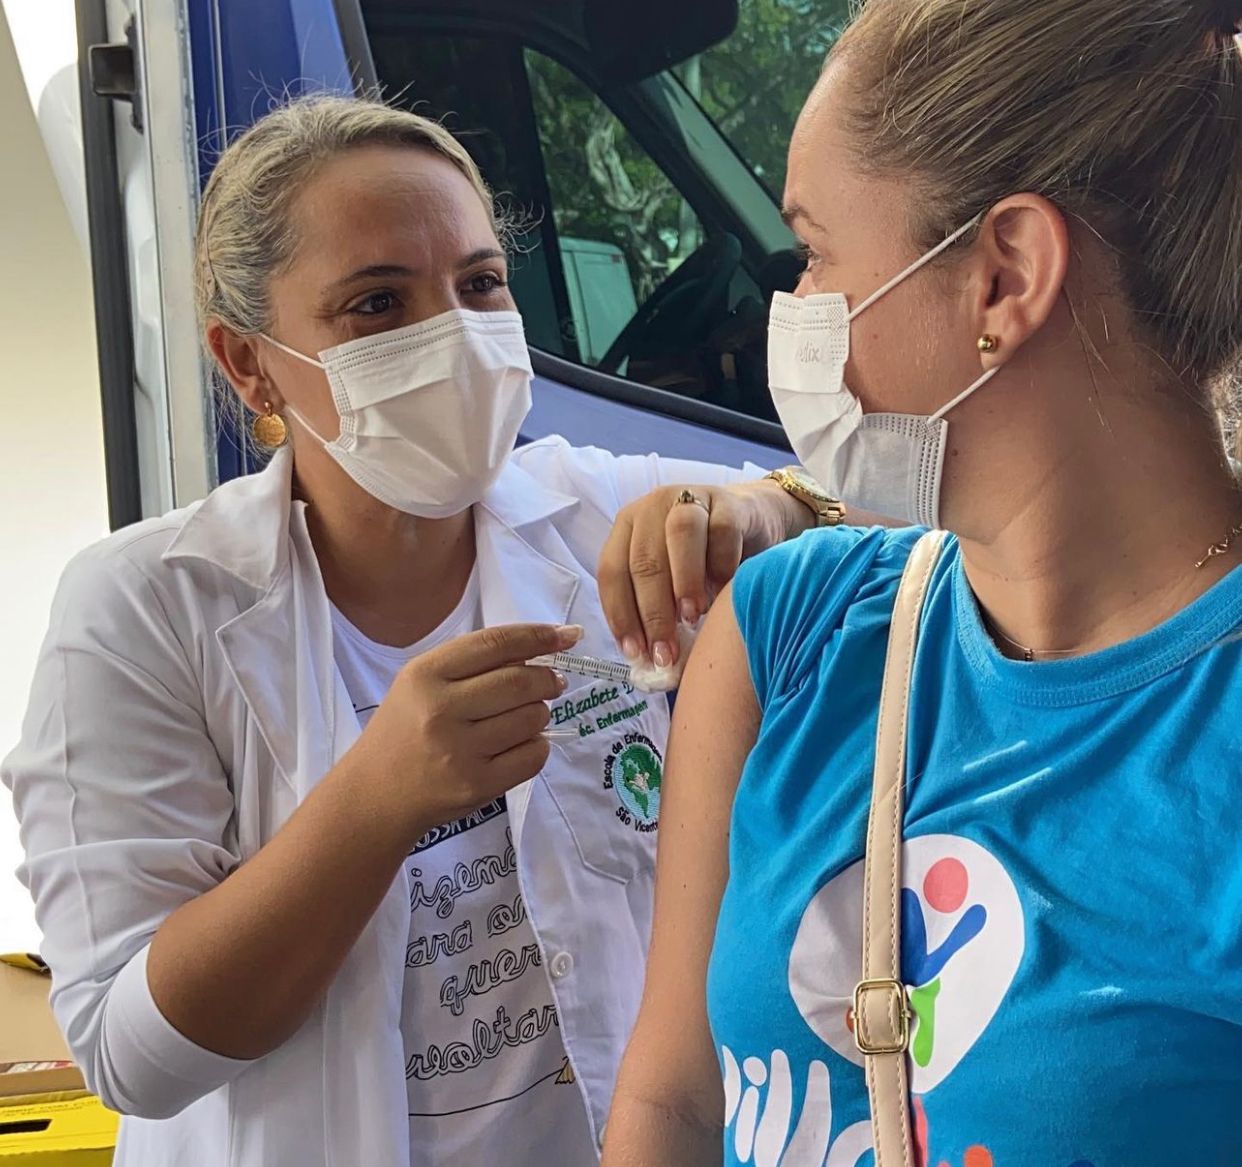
point(47, 1118)
point(73, 1129)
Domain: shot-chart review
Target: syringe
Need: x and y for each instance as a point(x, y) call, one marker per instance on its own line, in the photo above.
point(585, 666)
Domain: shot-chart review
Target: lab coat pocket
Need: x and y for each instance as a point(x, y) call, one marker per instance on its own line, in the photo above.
point(606, 775)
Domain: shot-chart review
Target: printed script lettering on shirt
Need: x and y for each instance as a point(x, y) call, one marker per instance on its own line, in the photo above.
point(505, 917)
point(512, 1041)
point(488, 974)
point(487, 1070)
point(487, 1041)
point(443, 895)
point(425, 950)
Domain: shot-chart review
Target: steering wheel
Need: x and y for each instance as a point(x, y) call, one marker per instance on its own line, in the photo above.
point(683, 308)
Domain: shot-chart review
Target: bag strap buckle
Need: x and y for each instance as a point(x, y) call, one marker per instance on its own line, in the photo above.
point(881, 1030)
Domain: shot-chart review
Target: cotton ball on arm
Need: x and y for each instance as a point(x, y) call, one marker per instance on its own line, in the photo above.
point(647, 678)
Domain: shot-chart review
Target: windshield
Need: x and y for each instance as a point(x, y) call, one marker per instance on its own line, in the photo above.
point(753, 84)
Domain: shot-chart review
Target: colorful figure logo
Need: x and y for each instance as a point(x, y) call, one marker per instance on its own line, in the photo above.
point(945, 888)
point(962, 942)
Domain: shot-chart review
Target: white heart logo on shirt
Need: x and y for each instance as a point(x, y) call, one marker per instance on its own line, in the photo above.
point(962, 941)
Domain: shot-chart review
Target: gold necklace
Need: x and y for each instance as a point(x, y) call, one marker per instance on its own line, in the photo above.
point(1214, 551)
point(1221, 548)
point(1029, 654)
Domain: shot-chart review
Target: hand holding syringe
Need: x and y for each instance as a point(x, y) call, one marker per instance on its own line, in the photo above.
point(642, 675)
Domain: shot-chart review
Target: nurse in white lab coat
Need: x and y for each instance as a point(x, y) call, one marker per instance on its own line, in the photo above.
point(253, 718)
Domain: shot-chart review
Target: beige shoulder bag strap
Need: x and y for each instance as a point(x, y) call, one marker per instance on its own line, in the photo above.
point(881, 1008)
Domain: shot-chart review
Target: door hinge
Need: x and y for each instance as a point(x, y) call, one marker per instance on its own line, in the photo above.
point(116, 72)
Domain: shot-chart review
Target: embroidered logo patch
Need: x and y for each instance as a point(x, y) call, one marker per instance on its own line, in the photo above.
point(634, 769)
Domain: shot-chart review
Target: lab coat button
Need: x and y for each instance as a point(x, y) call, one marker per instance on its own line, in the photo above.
point(562, 965)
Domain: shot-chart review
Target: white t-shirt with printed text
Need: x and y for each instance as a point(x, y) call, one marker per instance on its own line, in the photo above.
point(487, 1075)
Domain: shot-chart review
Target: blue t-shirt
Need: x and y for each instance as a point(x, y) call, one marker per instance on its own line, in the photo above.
point(1072, 908)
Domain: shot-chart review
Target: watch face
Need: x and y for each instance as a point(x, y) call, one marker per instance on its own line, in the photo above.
point(809, 485)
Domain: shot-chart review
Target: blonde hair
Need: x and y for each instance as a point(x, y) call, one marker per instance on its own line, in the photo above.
point(1124, 113)
point(246, 232)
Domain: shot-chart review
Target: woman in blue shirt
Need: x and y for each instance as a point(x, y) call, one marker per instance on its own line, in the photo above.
point(1023, 227)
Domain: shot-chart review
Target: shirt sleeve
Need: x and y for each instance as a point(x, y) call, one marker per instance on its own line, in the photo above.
point(790, 600)
point(639, 474)
point(125, 813)
point(613, 481)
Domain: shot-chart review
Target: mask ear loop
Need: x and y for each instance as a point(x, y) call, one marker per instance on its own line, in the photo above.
point(293, 413)
point(306, 425)
point(915, 266)
point(284, 348)
point(979, 384)
point(918, 263)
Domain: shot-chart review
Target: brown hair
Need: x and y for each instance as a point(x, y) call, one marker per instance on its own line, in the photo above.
point(1124, 113)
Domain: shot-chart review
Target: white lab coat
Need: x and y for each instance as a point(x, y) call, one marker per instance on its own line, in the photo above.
point(185, 702)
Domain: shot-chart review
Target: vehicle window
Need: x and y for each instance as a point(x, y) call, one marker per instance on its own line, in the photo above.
point(619, 267)
point(753, 84)
point(475, 86)
point(653, 295)
point(622, 226)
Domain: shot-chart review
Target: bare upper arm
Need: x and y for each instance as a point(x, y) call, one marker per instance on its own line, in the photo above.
point(715, 724)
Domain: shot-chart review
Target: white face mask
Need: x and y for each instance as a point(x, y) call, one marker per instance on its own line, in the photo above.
point(889, 463)
point(429, 413)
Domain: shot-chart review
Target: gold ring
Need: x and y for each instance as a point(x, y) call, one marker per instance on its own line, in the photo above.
point(688, 496)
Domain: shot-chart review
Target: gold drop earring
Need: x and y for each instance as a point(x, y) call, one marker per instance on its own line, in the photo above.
point(269, 428)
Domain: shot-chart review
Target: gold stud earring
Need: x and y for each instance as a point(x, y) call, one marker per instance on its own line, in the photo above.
point(988, 343)
point(269, 428)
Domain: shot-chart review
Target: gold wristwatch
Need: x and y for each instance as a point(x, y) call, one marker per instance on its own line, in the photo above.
point(829, 511)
